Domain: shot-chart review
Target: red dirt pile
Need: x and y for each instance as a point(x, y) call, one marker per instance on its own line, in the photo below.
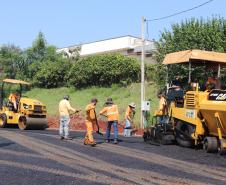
point(78, 123)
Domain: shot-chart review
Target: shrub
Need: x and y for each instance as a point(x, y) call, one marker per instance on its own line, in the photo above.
point(52, 74)
point(104, 70)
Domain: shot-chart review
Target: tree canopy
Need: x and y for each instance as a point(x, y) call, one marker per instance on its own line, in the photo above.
point(44, 67)
point(209, 34)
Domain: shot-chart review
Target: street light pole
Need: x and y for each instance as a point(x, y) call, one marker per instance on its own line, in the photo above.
point(142, 71)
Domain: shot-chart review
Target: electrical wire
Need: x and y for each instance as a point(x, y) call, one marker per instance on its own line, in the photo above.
point(178, 13)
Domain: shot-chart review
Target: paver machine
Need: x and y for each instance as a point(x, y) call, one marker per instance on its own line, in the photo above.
point(195, 117)
point(30, 113)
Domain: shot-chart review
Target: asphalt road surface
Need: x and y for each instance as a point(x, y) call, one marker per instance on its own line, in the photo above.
point(40, 157)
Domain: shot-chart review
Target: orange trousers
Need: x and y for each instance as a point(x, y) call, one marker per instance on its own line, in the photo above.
point(89, 132)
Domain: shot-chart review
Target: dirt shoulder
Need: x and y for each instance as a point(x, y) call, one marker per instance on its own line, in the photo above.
point(78, 123)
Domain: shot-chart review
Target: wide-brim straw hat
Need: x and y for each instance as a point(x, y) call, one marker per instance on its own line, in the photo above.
point(109, 101)
point(132, 105)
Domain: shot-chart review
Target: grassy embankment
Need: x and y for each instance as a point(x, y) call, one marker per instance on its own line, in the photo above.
point(122, 96)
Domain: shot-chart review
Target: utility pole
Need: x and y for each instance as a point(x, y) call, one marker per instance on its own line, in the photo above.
point(142, 71)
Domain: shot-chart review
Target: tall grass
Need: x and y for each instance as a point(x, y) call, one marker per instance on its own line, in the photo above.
point(121, 96)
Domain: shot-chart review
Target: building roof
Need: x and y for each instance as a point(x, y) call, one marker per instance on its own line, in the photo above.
point(108, 45)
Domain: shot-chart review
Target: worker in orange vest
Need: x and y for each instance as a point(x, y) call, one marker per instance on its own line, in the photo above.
point(112, 114)
point(129, 115)
point(90, 120)
point(14, 98)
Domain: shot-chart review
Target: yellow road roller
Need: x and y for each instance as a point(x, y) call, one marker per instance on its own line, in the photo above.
point(195, 117)
point(27, 113)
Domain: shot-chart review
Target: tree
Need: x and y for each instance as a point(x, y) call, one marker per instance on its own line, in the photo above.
point(38, 55)
point(201, 34)
point(12, 62)
point(52, 74)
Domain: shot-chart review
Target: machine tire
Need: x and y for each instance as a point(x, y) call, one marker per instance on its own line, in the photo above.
point(221, 149)
point(22, 123)
point(210, 144)
point(181, 139)
point(146, 135)
point(3, 120)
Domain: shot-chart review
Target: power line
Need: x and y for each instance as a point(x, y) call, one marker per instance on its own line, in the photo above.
point(178, 13)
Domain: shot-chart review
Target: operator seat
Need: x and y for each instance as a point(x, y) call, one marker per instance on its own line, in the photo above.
point(176, 94)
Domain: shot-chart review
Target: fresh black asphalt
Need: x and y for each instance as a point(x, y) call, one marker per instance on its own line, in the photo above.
point(25, 165)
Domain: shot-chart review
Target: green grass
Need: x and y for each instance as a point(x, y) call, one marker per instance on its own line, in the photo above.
point(121, 96)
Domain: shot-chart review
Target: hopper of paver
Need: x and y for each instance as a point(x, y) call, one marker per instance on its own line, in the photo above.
point(213, 111)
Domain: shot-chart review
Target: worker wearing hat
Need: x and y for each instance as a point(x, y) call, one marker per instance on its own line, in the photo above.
point(64, 111)
point(130, 111)
point(90, 120)
point(112, 114)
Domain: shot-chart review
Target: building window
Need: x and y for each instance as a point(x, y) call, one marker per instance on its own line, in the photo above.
point(130, 51)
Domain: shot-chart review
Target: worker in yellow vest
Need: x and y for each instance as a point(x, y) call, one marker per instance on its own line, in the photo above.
point(90, 121)
point(112, 114)
point(162, 110)
point(64, 110)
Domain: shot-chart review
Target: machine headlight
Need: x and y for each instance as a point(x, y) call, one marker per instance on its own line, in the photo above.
point(25, 106)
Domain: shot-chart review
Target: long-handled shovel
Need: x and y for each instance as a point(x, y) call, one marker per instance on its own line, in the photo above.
point(98, 127)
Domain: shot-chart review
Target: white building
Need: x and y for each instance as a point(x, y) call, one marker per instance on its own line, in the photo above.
point(126, 45)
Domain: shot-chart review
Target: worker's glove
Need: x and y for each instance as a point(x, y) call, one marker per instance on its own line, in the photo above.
point(79, 110)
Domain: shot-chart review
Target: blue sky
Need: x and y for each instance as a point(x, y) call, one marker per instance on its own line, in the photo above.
point(71, 22)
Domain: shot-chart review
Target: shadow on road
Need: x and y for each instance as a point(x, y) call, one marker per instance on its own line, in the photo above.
point(6, 144)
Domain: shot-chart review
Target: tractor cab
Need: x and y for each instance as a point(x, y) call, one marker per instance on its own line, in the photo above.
point(11, 93)
point(203, 69)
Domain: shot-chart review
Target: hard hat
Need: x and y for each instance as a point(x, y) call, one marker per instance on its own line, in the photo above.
point(66, 97)
point(132, 105)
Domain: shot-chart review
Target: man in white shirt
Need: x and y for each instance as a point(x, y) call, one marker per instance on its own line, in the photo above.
point(64, 110)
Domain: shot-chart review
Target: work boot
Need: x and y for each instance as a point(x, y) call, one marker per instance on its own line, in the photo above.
point(68, 138)
point(93, 144)
point(86, 141)
point(61, 137)
point(115, 141)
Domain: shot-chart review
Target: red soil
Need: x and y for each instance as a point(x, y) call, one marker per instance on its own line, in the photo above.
point(78, 123)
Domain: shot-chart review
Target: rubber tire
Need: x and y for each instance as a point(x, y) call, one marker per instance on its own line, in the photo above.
point(146, 135)
point(221, 149)
point(180, 139)
point(210, 144)
point(3, 118)
point(168, 139)
point(22, 123)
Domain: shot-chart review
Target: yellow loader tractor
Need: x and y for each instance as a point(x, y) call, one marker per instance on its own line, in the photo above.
point(28, 114)
point(195, 117)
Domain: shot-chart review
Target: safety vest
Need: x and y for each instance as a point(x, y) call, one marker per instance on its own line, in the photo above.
point(162, 106)
point(111, 113)
point(129, 113)
point(13, 97)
